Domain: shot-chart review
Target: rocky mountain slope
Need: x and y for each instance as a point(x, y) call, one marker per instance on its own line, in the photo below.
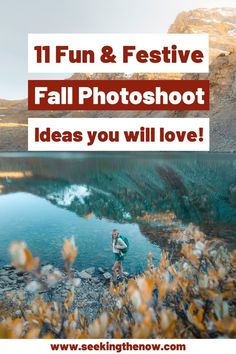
point(219, 23)
point(222, 77)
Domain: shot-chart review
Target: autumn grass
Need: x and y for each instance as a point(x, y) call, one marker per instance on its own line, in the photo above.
point(193, 297)
point(12, 125)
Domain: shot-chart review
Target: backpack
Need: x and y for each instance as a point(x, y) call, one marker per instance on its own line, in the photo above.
point(126, 241)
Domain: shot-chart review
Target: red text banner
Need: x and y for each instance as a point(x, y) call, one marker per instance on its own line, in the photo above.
point(118, 95)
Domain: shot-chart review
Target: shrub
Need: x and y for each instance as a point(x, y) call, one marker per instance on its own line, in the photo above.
point(193, 297)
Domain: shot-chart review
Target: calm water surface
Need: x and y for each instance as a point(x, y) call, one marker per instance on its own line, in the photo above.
point(46, 198)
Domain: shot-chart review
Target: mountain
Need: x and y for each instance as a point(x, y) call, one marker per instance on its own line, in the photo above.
point(10, 104)
point(222, 77)
point(220, 23)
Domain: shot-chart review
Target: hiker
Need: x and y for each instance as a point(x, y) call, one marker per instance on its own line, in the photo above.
point(120, 247)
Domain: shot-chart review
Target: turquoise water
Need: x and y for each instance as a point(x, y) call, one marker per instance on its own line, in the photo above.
point(45, 198)
point(44, 226)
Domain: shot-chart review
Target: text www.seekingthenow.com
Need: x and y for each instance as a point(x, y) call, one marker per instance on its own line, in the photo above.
point(118, 348)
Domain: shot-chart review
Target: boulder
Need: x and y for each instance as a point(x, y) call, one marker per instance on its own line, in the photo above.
point(33, 287)
point(101, 270)
point(84, 275)
point(5, 279)
point(46, 269)
point(107, 275)
point(8, 267)
point(68, 285)
point(76, 282)
point(95, 280)
point(18, 313)
point(90, 270)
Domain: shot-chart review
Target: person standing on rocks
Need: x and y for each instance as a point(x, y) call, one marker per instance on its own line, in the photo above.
point(120, 247)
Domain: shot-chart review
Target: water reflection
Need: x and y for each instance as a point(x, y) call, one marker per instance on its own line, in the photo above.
point(88, 194)
point(44, 226)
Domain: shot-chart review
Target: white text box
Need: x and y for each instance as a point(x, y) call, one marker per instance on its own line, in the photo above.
point(95, 42)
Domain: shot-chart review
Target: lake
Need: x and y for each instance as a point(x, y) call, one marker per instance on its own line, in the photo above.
point(45, 198)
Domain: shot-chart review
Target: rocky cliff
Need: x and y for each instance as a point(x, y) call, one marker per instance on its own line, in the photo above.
point(222, 77)
point(219, 23)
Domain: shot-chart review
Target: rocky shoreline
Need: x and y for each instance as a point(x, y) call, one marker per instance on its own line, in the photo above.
point(90, 287)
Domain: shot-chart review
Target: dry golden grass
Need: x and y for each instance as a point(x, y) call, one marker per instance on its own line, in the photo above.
point(12, 125)
point(193, 297)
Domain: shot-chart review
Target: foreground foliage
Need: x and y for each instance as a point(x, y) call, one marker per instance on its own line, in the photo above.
point(193, 297)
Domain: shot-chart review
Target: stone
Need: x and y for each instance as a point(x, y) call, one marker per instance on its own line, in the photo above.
point(101, 270)
point(107, 275)
point(46, 269)
point(8, 289)
point(94, 295)
point(19, 280)
point(68, 285)
point(95, 280)
point(84, 275)
point(8, 267)
point(76, 282)
point(90, 270)
point(18, 313)
point(33, 286)
point(126, 274)
point(20, 274)
point(5, 279)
